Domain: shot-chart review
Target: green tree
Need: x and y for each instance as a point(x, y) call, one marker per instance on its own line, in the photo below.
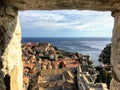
point(109, 77)
point(103, 76)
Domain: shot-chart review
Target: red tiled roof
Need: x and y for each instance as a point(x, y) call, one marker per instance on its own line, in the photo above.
point(26, 79)
point(31, 65)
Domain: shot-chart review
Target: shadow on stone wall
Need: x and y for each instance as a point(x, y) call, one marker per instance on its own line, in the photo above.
point(7, 26)
point(7, 81)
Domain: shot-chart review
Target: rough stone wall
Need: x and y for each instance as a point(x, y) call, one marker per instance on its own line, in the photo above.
point(53, 78)
point(115, 55)
point(10, 47)
point(56, 71)
point(99, 5)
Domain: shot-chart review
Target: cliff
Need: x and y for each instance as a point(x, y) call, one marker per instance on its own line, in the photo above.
point(105, 55)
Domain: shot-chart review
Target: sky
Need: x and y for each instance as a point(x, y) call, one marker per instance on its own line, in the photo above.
point(66, 23)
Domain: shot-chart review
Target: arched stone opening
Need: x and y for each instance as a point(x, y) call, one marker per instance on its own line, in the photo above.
point(10, 34)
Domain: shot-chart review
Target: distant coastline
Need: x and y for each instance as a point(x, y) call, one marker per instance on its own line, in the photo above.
point(85, 45)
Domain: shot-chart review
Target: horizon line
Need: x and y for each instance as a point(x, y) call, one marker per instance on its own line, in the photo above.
point(67, 37)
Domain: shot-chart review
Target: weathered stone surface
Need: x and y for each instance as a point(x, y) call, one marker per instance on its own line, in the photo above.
point(13, 81)
point(2, 86)
point(12, 58)
point(115, 55)
point(10, 10)
point(10, 45)
point(101, 5)
point(114, 85)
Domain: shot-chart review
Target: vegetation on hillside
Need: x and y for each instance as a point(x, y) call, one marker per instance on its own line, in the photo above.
point(105, 74)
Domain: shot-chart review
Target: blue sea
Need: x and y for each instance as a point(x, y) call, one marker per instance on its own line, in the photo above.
point(89, 46)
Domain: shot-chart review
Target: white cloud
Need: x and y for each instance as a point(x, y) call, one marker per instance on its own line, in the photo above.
point(38, 16)
point(67, 19)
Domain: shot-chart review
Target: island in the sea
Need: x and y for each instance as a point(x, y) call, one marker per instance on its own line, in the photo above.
point(46, 67)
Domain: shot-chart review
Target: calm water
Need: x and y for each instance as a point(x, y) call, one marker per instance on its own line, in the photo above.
point(91, 46)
